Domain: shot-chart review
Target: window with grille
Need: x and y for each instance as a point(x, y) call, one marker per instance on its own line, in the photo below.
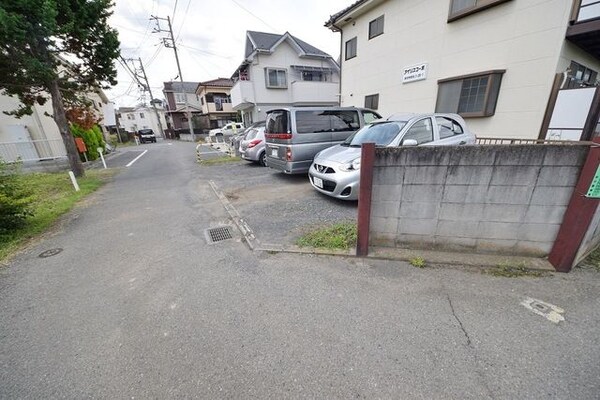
point(473, 95)
point(462, 8)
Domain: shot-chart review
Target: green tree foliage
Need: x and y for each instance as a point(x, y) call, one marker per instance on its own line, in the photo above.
point(15, 200)
point(36, 39)
point(91, 137)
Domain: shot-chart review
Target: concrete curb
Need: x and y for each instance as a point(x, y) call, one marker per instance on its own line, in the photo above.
point(244, 228)
point(432, 257)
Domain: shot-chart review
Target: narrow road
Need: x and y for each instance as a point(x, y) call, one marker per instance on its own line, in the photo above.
point(137, 304)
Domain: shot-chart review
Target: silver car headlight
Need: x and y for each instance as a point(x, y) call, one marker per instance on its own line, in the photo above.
point(353, 165)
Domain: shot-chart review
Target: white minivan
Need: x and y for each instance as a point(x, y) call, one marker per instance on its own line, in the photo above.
point(336, 171)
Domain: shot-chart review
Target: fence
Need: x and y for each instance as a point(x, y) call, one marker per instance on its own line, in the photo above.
point(493, 140)
point(34, 150)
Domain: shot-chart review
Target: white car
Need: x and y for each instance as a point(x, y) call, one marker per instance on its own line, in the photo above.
point(336, 171)
point(229, 129)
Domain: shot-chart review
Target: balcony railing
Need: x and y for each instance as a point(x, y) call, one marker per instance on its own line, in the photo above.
point(242, 95)
point(314, 92)
point(587, 10)
point(585, 26)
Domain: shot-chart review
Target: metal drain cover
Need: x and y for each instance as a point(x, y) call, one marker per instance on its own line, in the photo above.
point(218, 234)
point(50, 253)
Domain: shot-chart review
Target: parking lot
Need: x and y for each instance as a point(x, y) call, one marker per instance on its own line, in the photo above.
point(278, 208)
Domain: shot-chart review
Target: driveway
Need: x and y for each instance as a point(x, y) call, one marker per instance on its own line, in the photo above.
point(279, 208)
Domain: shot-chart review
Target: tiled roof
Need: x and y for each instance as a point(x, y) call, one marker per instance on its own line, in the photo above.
point(219, 82)
point(265, 41)
point(346, 10)
point(190, 87)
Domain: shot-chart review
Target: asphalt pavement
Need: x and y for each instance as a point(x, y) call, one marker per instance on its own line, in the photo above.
point(133, 301)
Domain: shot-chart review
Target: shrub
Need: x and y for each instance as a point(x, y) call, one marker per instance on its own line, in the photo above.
point(92, 138)
point(15, 199)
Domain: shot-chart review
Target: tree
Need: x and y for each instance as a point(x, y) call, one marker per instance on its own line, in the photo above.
point(37, 37)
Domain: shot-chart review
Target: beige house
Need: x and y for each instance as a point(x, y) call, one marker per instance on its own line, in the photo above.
point(36, 136)
point(215, 99)
point(492, 61)
point(282, 70)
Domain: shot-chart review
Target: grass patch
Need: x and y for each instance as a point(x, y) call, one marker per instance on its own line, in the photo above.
point(509, 270)
point(337, 236)
point(592, 260)
point(219, 160)
point(53, 196)
point(418, 262)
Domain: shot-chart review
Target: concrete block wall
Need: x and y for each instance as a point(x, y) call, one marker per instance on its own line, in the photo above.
point(498, 199)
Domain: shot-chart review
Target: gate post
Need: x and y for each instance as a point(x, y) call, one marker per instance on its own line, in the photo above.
point(367, 159)
point(578, 215)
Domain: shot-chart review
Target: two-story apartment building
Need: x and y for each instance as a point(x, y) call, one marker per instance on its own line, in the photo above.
point(215, 99)
point(176, 94)
point(495, 62)
point(132, 119)
point(282, 70)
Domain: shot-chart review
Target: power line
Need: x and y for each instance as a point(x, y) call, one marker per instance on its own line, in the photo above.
point(254, 15)
point(174, 11)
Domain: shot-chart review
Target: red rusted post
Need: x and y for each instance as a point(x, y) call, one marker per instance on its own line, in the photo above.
point(367, 159)
point(578, 216)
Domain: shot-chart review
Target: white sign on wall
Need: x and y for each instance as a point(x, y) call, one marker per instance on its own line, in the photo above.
point(414, 73)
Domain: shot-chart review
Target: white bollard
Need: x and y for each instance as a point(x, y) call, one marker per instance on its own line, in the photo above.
point(100, 150)
point(74, 181)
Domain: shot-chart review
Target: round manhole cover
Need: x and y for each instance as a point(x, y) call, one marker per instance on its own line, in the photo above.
point(50, 253)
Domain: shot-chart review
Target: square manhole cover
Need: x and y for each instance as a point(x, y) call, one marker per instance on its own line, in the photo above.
point(218, 234)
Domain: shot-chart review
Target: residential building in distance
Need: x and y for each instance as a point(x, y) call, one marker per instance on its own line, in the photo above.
point(495, 62)
point(215, 99)
point(132, 119)
point(176, 113)
point(282, 70)
point(36, 137)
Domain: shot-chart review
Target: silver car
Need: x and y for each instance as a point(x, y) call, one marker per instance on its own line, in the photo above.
point(336, 171)
point(252, 147)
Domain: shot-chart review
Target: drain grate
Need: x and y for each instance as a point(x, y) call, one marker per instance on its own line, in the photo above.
point(218, 234)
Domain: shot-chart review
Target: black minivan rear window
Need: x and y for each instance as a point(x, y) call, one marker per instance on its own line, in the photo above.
point(277, 122)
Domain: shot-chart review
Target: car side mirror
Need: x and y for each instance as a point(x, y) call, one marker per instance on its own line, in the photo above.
point(409, 142)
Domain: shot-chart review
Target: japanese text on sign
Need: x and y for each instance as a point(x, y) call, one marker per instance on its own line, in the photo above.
point(414, 73)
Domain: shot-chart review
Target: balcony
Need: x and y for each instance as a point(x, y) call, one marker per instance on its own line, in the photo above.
point(242, 95)
point(317, 93)
point(219, 107)
point(585, 26)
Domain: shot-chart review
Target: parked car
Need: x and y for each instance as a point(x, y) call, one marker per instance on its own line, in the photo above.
point(252, 148)
point(294, 135)
point(235, 140)
point(230, 128)
point(146, 135)
point(336, 170)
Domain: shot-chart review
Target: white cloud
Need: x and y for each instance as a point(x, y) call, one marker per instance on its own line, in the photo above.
point(211, 36)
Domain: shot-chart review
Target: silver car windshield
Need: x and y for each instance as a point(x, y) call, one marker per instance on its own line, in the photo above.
point(381, 133)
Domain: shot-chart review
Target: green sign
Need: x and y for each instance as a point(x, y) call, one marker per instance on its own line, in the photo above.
point(594, 190)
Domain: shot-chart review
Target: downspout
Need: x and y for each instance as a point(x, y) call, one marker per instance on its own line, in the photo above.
point(338, 29)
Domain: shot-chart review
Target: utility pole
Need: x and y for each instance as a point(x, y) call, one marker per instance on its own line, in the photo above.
point(169, 42)
point(135, 74)
point(162, 132)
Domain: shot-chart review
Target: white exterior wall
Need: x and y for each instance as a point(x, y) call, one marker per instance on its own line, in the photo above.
point(526, 38)
point(284, 56)
point(149, 120)
point(39, 125)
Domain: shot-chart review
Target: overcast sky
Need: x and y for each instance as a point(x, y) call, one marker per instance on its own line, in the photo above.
point(211, 36)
